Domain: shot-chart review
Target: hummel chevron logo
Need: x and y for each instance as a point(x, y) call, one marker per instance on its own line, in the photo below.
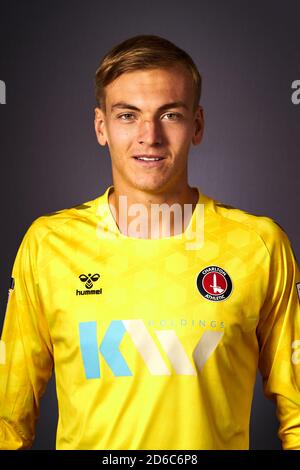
point(88, 280)
point(145, 345)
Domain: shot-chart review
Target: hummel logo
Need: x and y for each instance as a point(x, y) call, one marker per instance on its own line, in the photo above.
point(89, 279)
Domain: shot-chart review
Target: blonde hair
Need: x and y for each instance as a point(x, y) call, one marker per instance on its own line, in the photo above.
point(139, 53)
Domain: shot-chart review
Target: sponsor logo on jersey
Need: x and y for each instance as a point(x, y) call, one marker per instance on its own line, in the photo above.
point(149, 346)
point(11, 287)
point(2, 352)
point(214, 283)
point(89, 280)
point(298, 290)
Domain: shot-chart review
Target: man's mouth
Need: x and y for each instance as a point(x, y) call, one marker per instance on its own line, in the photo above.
point(148, 158)
point(149, 161)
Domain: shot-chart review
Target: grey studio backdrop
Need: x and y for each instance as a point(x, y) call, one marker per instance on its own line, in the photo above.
point(248, 55)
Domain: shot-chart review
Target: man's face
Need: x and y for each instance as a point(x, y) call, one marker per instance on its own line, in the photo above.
point(141, 120)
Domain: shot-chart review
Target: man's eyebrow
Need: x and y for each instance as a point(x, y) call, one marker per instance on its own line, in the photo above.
point(174, 104)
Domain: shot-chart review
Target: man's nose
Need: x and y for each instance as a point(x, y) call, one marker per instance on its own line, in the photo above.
point(150, 132)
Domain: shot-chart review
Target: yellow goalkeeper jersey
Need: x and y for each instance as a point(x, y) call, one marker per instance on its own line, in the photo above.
point(155, 343)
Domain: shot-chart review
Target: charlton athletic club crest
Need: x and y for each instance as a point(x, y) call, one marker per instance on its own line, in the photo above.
point(214, 283)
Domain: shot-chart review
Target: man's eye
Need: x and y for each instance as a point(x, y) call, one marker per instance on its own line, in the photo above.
point(123, 117)
point(174, 116)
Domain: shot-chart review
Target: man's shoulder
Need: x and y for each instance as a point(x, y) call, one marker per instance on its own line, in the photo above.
point(55, 221)
point(239, 221)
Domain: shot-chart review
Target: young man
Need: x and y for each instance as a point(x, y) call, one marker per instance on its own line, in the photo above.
point(155, 325)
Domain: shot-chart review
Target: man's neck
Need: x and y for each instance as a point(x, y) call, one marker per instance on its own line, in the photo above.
point(140, 214)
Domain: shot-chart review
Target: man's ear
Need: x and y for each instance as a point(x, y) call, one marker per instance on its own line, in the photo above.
point(100, 126)
point(198, 126)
